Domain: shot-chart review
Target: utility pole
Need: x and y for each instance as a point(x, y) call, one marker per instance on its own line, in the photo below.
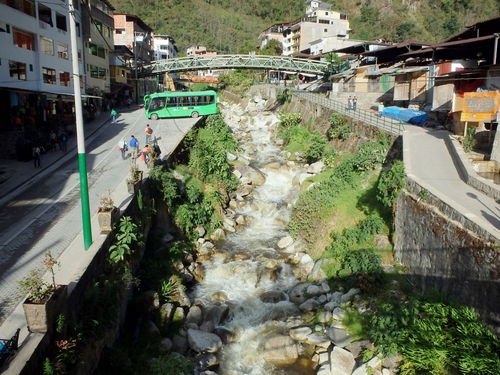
point(80, 136)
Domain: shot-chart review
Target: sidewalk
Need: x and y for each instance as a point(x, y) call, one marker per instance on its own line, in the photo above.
point(429, 162)
point(16, 176)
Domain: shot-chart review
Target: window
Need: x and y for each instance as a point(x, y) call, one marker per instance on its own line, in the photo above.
point(49, 76)
point(326, 13)
point(17, 70)
point(24, 39)
point(325, 30)
point(61, 22)
point(163, 56)
point(25, 6)
point(343, 16)
point(95, 50)
point(97, 72)
point(164, 46)
point(119, 31)
point(46, 45)
point(62, 51)
point(77, 25)
point(98, 26)
point(45, 14)
point(64, 78)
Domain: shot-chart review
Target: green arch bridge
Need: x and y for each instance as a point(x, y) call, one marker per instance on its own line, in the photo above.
point(281, 63)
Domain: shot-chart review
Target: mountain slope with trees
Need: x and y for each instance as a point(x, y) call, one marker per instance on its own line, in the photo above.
point(233, 26)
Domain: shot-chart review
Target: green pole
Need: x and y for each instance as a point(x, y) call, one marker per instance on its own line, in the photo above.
point(84, 197)
point(80, 135)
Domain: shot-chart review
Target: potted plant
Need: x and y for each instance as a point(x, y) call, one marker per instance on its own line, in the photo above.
point(44, 300)
point(106, 213)
point(134, 179)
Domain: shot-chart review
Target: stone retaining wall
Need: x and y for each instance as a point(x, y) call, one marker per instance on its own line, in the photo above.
point(433, 242)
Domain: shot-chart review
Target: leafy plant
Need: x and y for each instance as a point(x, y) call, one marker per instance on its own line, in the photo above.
point(316, 148)
point(60, 323)
point(48, 368)
point(128, 234)
point(106, 203)
point(284, 96)
point(391, 183)
point(167, 289)
point(34, 286)
point(340, 128)
point(469, 142)
point(135, 173)
point(423, 194)
point(171, 364)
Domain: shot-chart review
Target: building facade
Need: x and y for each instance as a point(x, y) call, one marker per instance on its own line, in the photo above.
point(97, 22)
point(274, 32)
point(36, 85)
point(199, 51)
point(164, 47)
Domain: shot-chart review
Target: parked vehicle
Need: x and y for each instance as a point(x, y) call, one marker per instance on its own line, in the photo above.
point(181, 104)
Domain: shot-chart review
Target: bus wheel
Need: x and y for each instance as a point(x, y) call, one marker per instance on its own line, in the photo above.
point(195, 114)
point(154, 116)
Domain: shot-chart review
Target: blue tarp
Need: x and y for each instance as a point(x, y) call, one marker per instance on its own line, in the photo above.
point(406, 115)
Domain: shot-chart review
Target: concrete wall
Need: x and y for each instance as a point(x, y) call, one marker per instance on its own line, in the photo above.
point(432, 241)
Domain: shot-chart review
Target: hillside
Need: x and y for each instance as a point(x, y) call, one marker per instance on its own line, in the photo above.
point(234, 25)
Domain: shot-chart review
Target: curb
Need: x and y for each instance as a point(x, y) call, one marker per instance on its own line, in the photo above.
point(23, 186)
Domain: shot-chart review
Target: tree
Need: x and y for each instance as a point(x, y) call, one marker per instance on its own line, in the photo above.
point(272, 48)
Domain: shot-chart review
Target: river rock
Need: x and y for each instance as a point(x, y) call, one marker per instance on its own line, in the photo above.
point(220, 296)
point(218, 235)
point(316, 168)
point(338, 313)
point(226, 335)
point(392, 362)
point(349, 295)
point(197, 270)
point(368, 367)
point(194, 315)
point(208, 372)
point(181, 297)
point(339, 336)
point(298, 293)
point(309, 305)
point(285, 242)
point(317, 273)
point(180, 344)
point(166, 345)
point(237, 173)
point(205, 361)
point(241, 220)
point(230, 156)
point(256, 177)
point(300, 333)
point(341, 362)
point(200, 230)
point(336, 297)
point(280, 350)
point(318, 339)
point(271, 264)
point(329, 306)
point(324, 370)
point(179, 314)
point(216, 314)
point(166, 312)
point(357, 347)
point(201, 341)
point(314, 290)
point(273, 296)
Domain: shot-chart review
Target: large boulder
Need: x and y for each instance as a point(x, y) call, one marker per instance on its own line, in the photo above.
point(285, 242)
point(201, 341)
point(194, 315)
point(280, 350)
point(273, 296)
point(339, 336)
point(298, 294)
point(300, 333)
point(256, 177)
point(316, 168)
point(369, 367)
point(341, 362)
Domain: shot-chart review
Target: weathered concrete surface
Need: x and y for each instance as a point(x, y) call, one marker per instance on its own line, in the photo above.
point(440, 252)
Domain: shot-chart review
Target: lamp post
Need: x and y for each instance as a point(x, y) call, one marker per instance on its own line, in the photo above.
point(80, 136)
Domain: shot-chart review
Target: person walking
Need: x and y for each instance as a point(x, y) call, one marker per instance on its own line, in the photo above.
point(354, 103)
point(122, 146)
point(146, 154)
point(349, 103)
point(113, 115)
point(134, 146)
point(37, 156)
point(149, 133)
point(63, 142)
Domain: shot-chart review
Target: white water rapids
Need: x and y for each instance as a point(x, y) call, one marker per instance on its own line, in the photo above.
point(267, 213)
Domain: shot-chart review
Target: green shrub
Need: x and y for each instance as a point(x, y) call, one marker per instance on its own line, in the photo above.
point(164, 184)
point(469, 142)
point(369, 155)
point(340, 128)
point(390, 184)
point(284, 96)
point(289, 119)
point(171, 364)
point(316, 148)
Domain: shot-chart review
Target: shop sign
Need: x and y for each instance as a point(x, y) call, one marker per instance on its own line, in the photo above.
point(480, 106)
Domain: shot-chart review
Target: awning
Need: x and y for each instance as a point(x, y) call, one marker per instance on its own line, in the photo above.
point(308, 75)
point(411, 70)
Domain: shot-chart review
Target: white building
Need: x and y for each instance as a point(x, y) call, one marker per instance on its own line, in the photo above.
point(317, 5)
point(164, 47)
point(35, 40)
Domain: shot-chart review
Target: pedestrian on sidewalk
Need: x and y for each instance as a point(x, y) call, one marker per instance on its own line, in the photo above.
point(37, 156)
point(149, 133)
point(354, 103)
point(122, 146)
point(129, 102)
point(146, 153)
point(134, 146)
point(53, 140)
point(349, 103)
point(113, 115)
point(63, 142)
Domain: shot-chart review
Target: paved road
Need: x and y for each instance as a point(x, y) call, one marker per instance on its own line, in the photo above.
point(47, 216)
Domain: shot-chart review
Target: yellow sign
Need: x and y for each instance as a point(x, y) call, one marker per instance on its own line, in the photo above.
point(480, 106)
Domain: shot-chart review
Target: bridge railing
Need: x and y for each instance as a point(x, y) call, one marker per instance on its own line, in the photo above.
point(383, 123)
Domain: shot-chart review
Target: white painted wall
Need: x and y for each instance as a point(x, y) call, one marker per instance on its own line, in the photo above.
point(163, 48)
point(35, 60)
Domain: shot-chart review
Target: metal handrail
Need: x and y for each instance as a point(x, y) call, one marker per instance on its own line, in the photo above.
point(383, 123)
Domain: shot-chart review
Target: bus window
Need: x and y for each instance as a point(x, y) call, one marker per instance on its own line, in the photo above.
point(156, 104)
point(172, 102)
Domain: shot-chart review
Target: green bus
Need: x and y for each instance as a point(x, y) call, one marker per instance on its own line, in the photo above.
point(170, 104)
